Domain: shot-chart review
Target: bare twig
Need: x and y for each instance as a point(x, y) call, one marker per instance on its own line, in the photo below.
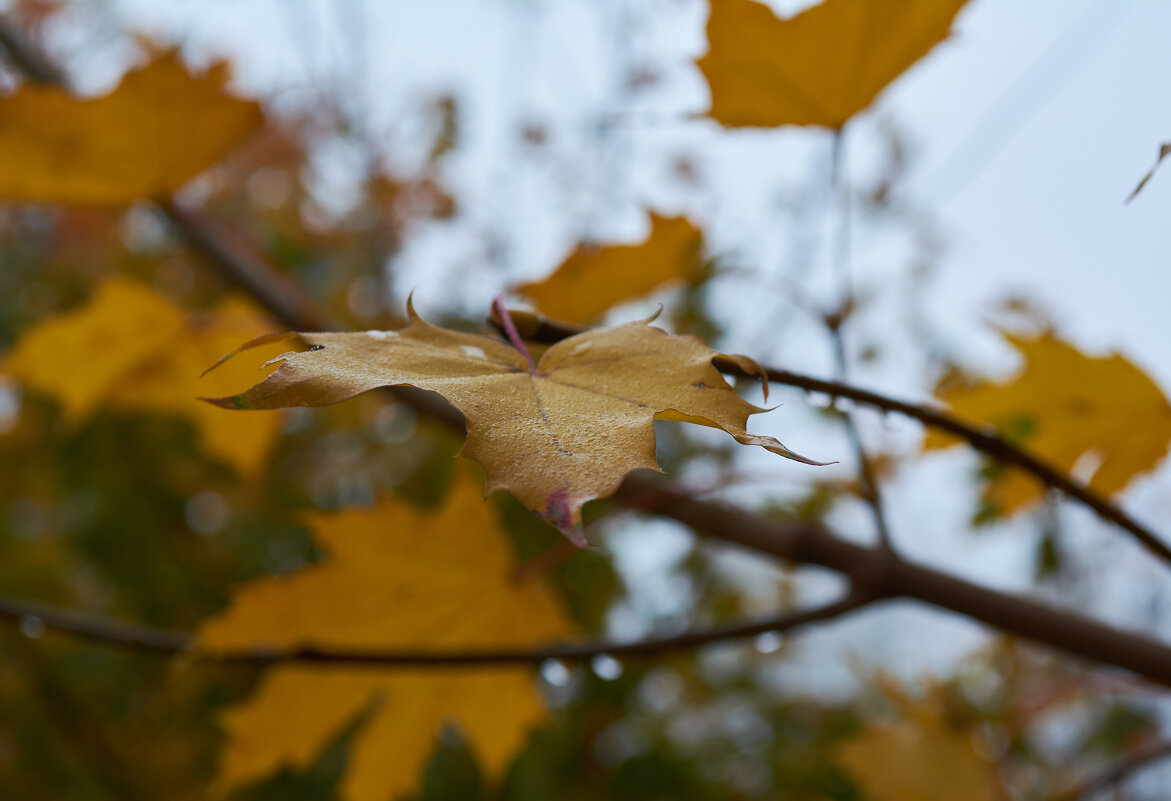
point(1117, 772)
point(866, 475)
point(26, 57)
point(167, 642)
point(984, 440)
point(834, 323)
point(251, 274)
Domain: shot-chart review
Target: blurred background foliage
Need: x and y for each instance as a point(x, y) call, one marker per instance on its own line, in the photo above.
point(124, 514)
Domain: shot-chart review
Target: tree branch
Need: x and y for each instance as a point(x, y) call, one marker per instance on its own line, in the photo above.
point(1117, 772)
point(982, 439)
point(26, 57)
point(808, 542)
point(168, 642)
point(268, 287)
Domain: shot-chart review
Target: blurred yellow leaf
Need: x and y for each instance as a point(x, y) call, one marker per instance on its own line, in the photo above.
point(1061, 406)
point(395, 577)
point(819, 67)
point(159, 128)
point(921, 758)
point(595, 277)
point(131, 349)
point(556, 433)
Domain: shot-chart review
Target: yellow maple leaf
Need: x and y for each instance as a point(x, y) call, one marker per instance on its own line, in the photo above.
point(593, 278)
point(131, 349)
point(556, 433)
point(920, 758)
point(159, 128)
point(819, 67)
point(395, 577)
point(1061, 405)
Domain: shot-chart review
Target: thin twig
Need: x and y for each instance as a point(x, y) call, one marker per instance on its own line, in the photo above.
point(27, 57)
point(869, 481)
point(168, 642)
point(984, 440)
point(834, 323)
point(249, 273)
point(1117, 772)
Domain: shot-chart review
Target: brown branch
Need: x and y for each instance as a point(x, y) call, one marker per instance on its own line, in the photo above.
point(26, 57)
point(981, 439)
point(252, 275)
point(168, 642)
point(807, 542)
point(1117, 772)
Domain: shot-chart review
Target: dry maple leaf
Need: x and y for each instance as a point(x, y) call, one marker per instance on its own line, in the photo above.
point(395, 577)
point(131, 349)
point(820, 67)
point(921, 758)
point(556, 433)
point(594, 277)
point(1061, 406)
point(159, 128)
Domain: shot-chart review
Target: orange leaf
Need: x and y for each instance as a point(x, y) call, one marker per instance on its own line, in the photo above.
point(1061, 406)
point(159, 128)
point(395, 577)
point(129, 348)
point(820, 67)
point(594, 278)
point(920, 758)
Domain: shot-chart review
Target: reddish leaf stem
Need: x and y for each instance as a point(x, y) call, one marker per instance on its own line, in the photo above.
point(511, 332)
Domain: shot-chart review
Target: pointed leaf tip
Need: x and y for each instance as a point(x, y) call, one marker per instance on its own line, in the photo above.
point(255, 342)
